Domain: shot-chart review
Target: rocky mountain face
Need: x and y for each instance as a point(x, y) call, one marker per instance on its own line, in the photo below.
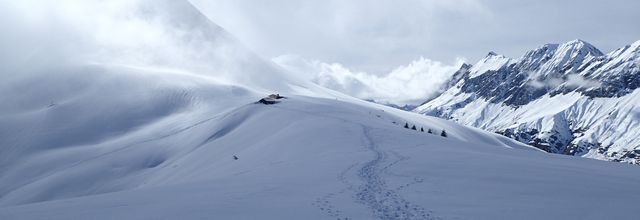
point(563, 98)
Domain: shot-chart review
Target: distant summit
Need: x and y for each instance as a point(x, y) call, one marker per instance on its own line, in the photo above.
point(491, 53)
point(565, 98)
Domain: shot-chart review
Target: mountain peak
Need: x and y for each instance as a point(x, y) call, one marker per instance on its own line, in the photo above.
point(559, 58)
point(635, 45)
point(572, 47)
point(580, 46)
point(555, 87)
point(577, 41)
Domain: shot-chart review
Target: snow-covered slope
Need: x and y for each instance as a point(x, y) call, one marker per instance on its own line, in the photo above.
point(568, 99)
point(311, 158)
point(149, 130)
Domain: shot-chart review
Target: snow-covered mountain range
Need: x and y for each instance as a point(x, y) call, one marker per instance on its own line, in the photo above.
point(150, 112)
point(565, 98)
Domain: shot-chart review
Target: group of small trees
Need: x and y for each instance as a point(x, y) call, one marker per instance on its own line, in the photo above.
point(406, 125)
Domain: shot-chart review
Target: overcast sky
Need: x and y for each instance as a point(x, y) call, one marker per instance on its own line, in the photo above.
point(396, 51)
point(378, 36)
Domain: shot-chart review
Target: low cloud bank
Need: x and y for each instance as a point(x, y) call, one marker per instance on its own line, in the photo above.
point(408, 84)
point(571, 81)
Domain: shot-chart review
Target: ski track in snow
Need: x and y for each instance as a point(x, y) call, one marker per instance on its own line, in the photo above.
point(386, 203)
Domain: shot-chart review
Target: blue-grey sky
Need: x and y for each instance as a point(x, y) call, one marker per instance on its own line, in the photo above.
point(378, 36)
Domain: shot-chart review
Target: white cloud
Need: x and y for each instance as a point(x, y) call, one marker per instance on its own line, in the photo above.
point(166, 33)
point(150, 34)
point(575, 81)
point(377, 36)
point(408, 84)
point(548, 83)
point(571, 81)
point(372, 37)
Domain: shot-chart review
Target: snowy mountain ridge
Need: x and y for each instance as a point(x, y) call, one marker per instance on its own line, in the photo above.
point(173, 129)
point(563, 98)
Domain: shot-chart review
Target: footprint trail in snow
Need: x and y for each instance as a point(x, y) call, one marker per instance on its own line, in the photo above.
point(386, 203)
